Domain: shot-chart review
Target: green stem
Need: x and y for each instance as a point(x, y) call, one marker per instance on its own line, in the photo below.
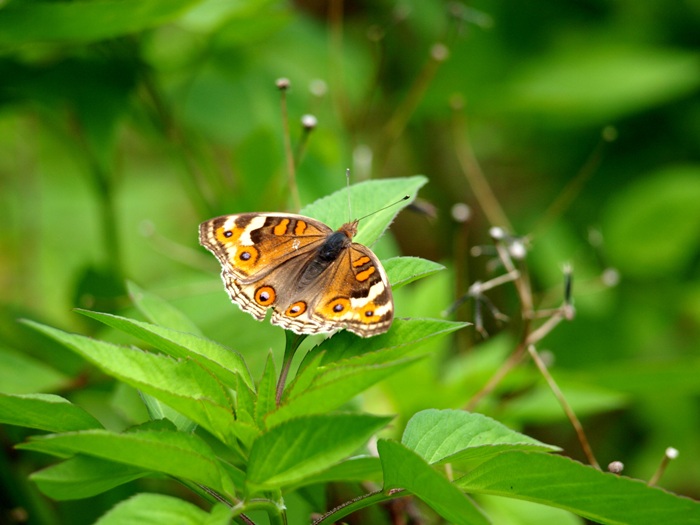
point(292, 342)
point(356, 504)
point(275, 510)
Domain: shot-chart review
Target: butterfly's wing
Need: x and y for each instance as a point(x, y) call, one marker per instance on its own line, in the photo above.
point(352, 293)
point(258, 252)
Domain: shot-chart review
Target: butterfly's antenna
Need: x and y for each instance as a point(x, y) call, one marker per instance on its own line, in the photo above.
point(405, 197)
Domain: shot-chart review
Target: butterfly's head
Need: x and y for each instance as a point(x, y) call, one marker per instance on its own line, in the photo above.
point(349, 229)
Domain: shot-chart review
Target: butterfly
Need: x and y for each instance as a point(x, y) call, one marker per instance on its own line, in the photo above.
point(316, 280)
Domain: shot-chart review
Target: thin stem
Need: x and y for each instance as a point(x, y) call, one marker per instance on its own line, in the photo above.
point(292, 342)
point(399, 119)
point(347, 508)
point(192, 178)
point(513, 360)
point(308, 123)
point(537, 335)
point(573, 188)
point(474, 174)
point(283, 85)
point(669, 454)
point(585, 445)
point(276, 512)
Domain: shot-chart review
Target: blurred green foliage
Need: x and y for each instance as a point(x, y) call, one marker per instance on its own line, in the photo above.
point(123, 124)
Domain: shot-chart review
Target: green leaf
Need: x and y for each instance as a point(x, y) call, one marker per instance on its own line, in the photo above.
point(266, 401)
point(596, 84)
point(393, 344)
point(160, 312)
point(404, 469)
point(403, 270)
point(299, 448)
point(154, 509)
point(332, 388)
point(564, 483)
point(245, 412)
point(22, 22)
point(222, 361)
point(175, 453)
point(365, 198)
point(159, 410)
point(306, 374)
point(359, 468)
point(456, 436)
point(21, 374)
point(183, 385)
point(84, 477)
point(45, 412)
point(651, 225)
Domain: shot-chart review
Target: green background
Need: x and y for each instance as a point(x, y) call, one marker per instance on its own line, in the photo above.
point(124, 124)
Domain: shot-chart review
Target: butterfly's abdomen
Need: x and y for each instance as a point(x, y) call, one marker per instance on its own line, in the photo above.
point(328, 252)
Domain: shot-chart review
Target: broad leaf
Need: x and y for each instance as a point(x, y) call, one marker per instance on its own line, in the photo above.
point(456, 436)
point(403, 270)
point(360, 469)
point(84, 477)
point(393, 344)
point(365, 198)
point(299, 448)
point(404, 469)
point(332, 388)
point(22, 22)
point(156, 509)
point(222, 361)
point(45, 412)
point(183, 385)
point(22, 374)
point(161, 312)
point(562, 482)
point(175, 453)
point(265, 401)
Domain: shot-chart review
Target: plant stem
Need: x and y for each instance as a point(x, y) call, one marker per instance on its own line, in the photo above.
point(372, 498)
point(292, 342)
point(475, 176)
point(288, 153)
point(585, 445)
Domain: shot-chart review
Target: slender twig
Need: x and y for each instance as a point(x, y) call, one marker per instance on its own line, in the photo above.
point(399, 119)
point(308, 124)
point(544, 329)
point(283, 86)
point(585, 445)
point(348, 507)
point(513, 360)
point(669, 454)
point(574, 187)
point(473, 173)
point(192, 177)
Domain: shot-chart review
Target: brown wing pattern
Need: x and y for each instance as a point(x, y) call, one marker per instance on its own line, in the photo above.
point(276, 261)
point(353, 294)
point(253, 247)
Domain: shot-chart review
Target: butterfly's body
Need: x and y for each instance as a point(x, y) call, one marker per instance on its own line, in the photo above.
point(315, 279)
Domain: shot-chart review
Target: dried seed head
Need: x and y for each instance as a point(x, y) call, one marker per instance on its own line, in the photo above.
point(461, 212)
point(616, 467)
point(309, 122)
